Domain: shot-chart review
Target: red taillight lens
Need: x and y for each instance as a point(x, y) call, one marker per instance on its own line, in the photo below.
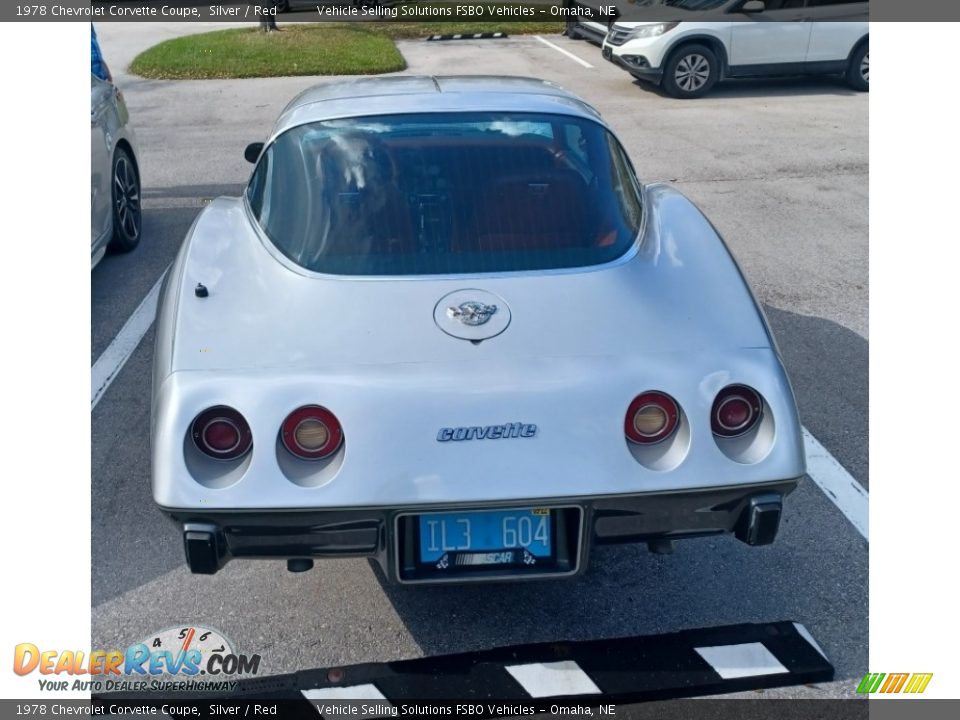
point(222, 433)
point(311, 432)
point(651, 417)
point(735, 411)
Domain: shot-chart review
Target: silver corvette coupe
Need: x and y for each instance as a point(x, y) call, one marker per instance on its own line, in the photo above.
point(446, 327)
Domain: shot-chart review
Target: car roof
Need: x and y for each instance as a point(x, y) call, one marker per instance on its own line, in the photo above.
point(402, 94)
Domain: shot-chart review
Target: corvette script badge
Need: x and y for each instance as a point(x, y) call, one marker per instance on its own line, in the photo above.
point(471, 312)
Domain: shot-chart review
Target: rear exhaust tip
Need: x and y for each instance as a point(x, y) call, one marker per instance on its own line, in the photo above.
point(299, 565)
point(205, 549)
point(760, 520)
point(660, 546)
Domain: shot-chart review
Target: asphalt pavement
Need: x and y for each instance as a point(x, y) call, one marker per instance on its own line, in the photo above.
point(780, 167)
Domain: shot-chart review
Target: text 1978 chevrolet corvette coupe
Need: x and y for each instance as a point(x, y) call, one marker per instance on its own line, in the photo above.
point(446, 327)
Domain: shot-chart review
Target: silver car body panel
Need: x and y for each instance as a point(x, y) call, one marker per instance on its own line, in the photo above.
point(109, 126)
point(673, 314)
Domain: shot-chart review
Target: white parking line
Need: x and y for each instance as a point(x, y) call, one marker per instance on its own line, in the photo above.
point(112, 360)
point(840, 486)
point(565, 52)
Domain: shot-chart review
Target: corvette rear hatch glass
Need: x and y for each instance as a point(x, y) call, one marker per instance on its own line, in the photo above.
point(446, 193)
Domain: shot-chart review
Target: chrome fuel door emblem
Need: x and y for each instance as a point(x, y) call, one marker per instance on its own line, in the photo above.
point(471, 312)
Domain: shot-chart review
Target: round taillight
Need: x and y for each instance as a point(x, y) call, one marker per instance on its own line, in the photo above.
point(735, 411)
point(651, 417)
point(222, 433)
point(311, 432)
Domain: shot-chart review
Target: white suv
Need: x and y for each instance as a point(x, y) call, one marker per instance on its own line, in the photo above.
point(766, 39)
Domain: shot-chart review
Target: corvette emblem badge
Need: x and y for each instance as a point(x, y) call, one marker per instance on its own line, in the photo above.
point(471, 312)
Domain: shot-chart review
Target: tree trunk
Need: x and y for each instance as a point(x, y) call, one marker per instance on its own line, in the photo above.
point(266, 10)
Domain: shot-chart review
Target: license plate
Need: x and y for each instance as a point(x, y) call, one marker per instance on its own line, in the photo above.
point(486, 536)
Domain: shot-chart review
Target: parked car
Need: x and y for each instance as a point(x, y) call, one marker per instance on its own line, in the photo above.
point(284, 6)
point(582, 26)
point(761, 39)
point(115, 220)
point(446, 327)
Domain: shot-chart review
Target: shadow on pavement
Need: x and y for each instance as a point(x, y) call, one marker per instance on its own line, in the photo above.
point(829, 368)
point(766, 87)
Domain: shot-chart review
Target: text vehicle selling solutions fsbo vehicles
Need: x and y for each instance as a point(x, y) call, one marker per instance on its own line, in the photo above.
point(447, 328)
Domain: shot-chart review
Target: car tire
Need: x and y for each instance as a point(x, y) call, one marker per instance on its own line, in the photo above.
point(125, 202)
point(858, 74)
point(691, 72)
point(572, 30)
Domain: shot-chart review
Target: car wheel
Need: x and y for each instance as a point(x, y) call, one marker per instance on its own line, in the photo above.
point(858, 74)
point(573, 31)
point(691, 72)
point(125, 195)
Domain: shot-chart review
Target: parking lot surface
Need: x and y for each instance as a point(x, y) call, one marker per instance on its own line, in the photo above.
point(781, 169)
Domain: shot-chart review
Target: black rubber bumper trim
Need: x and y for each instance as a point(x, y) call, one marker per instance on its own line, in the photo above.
point(363, 532)
point(649, 74)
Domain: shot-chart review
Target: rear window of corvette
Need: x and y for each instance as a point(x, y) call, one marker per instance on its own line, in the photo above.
point(452, 193)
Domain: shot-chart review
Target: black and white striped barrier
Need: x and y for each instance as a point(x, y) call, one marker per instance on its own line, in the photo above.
point(529, 679)
point(592, 673)
point(469, 36)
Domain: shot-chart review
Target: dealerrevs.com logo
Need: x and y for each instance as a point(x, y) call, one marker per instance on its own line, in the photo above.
point(178, 658)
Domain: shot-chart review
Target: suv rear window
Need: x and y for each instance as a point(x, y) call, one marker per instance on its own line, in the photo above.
point(446, 194)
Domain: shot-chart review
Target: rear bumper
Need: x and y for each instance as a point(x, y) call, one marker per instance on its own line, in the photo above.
point(213, 537)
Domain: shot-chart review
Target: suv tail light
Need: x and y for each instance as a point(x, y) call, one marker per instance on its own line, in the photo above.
point(311, 433)
point(736, 410)
point(651, 417)
point(222, 433)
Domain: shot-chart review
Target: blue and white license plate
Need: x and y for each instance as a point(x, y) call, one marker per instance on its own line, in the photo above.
point(485, 531)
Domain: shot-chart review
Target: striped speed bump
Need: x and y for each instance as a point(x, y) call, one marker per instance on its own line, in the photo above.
point(469, 36)
point(596, 672)
point(592, 673)
point(525, 679)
